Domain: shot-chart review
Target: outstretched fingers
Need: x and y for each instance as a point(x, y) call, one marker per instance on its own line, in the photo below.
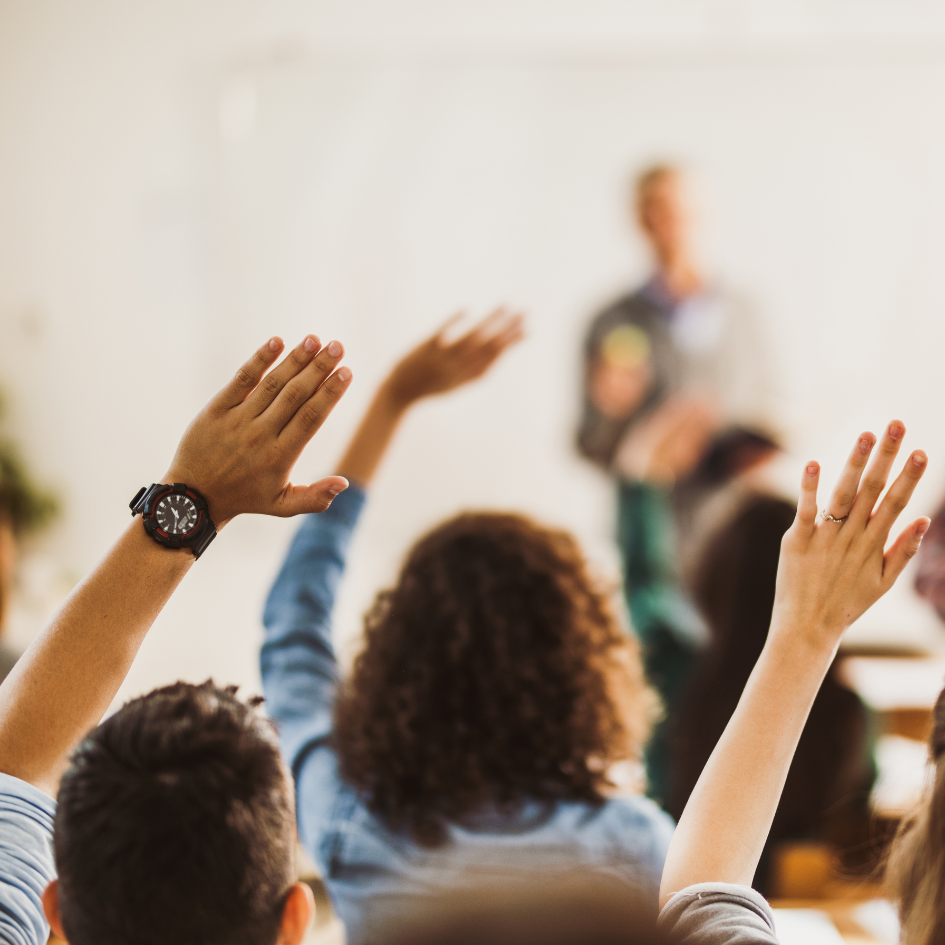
point(296, 393)
point(904, 548)
point(897, 498)
point(878, 474)
point(844, 492)
point(293, 363)
point(249, 375)
point(313, 413)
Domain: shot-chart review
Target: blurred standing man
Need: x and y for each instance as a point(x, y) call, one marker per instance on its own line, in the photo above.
point(668, 368)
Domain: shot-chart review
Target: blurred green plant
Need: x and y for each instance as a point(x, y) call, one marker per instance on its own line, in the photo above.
point(27, 506)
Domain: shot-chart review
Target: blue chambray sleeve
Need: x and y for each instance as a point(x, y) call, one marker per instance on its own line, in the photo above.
point(299, 669)
point(26, 861)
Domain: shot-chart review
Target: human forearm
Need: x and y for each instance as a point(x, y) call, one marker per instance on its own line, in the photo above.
point(238, 453)
point(94, 636)
point(372, 438)
point(723, 829)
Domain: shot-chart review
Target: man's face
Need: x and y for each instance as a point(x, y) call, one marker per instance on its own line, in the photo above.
point(664, 216)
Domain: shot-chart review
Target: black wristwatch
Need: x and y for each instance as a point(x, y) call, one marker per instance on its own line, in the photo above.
point(175, 516)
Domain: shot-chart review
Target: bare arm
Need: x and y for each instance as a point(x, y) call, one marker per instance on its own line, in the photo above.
point(433, 367)
point(829, 574)
point(238, 453)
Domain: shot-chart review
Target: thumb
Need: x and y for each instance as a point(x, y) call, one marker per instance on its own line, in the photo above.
point(298, 500)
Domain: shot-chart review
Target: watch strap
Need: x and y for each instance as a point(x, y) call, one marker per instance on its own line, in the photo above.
point(203, 542)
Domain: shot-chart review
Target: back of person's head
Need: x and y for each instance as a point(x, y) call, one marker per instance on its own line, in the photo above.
point(915, 871)
point(175, 824)
point(552, 911)
point(495, 671)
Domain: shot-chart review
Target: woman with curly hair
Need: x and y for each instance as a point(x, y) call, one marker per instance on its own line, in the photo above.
point(494, 694)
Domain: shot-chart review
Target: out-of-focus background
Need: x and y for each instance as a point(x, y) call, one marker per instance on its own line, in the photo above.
point(179, 181)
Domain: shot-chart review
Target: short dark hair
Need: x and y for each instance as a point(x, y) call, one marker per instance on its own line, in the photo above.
point(175, 823)
point(495, 671)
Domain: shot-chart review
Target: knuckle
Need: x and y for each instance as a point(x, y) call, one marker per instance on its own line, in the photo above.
point(896, 502)
point(244, 376)
point(845, 498)
point(271, 384)
point(310, 415)
point(293, 395)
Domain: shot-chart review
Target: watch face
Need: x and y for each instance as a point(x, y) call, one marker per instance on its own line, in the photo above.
point(176, 514)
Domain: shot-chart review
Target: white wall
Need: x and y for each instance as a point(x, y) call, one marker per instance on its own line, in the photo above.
point(221, 171)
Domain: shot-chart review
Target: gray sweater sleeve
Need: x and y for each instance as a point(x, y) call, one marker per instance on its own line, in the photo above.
point(718, 914)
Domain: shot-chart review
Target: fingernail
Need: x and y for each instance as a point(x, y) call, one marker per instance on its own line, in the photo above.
point(920, 459)
point(922, 528)
point(334, 349)
point(344, 374)
point(311, 344)
point(896, 431)
point(337, 490)
point(866, 444)
point(812, 469)
point(275, 344)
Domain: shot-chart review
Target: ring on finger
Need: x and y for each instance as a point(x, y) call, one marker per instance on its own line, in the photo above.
point(827, 517)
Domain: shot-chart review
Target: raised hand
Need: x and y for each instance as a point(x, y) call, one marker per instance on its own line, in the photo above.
point(835, 566)
point(240, 449)
point(438, 365)
point(435, 366)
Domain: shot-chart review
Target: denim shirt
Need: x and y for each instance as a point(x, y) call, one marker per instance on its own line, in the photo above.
point(370, 870)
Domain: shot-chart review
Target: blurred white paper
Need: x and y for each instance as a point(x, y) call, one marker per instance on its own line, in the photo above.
point(891, 683)
point(805, 927)
point(903, 774)
point(879, 918)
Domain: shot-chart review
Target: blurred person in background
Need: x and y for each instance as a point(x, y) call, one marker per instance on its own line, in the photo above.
point(668, 368)
point(930, 567)
point(915, 870)
point(494, 693)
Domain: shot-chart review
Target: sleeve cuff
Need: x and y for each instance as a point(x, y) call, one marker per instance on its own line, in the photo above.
point(11, 786)
point(732, 893)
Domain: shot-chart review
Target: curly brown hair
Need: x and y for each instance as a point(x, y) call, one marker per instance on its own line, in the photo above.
point(495, 671)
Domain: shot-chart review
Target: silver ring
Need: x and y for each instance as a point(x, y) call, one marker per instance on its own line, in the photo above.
point(827, 517)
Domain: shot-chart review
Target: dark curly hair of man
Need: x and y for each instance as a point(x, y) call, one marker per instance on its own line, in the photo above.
point(494, 672)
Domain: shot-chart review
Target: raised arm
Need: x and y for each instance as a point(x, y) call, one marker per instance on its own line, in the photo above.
point(238, 452)
point(832, 569)
point(298, 663)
